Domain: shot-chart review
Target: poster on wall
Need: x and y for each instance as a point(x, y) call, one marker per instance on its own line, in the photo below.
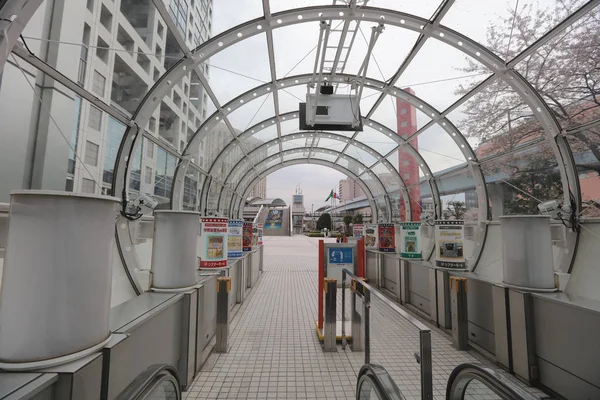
point(297, 220)
point(247, 237)
point(449, 244)
point(387, 240)
point(260, 234)
point(213, 242)
point(409, 245)
point(234, 238)
point(371, 236)
point(357, 231)
point(254, 236)
point(274, 219)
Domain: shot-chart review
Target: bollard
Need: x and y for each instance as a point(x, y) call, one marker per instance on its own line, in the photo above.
point(329, 344)
point(460, 326)
point(223, 288)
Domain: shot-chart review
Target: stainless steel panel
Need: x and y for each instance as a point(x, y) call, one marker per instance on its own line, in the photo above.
point(222, 335)
point(188, 340)
point(16, 386)
point(521, 334)
point(418, 280)
point(418, 302)
point(357, 326)
point(444, 314)
point(329, 328)
point(460, 325)
point(153, 339)
point(81, 379)
point(431, 281)
point(233, 274)
point(501, 349)
point(371, 266)
point(129, 311)
point(391, 275)
point(248, 270)
point(565, 384)
point(567, 337)
point(481, 320)
point(404, 282)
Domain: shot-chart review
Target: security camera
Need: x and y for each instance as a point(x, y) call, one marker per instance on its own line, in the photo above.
point(551, 208)
point(147, 201)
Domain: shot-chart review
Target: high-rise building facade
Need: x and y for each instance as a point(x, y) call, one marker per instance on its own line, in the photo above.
point(125, 47)
point(348, 189)
point(408, 166)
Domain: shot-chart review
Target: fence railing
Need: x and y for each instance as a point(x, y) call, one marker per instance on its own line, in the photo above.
point(365, 291)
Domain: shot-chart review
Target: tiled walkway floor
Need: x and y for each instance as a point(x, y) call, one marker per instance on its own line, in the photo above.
point(275, 353)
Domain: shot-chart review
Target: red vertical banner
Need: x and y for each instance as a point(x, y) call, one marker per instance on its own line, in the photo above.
point(360, 248)
point(321, 280)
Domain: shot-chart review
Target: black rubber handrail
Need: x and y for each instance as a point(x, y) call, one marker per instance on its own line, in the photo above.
point(149, 379)
point(380, 380)
point(463, 374)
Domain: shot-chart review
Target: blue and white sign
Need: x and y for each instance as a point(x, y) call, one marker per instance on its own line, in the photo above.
point(340, 255)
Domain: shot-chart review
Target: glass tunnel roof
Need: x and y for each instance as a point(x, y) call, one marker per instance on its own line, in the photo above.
point(456, 97)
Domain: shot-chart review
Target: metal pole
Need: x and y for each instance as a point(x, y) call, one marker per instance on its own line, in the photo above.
point(329, 331)
point(425, 361)
point(367, 306)
point(460, 323)
point(223, 288)
point(343, 309)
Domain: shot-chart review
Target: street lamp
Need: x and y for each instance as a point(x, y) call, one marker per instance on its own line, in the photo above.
point(312, 215)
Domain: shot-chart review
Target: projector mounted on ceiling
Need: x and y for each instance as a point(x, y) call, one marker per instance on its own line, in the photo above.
point(337, 112)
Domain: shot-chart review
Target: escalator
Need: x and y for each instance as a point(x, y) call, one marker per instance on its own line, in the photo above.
point(158, 382)
point(466, 382)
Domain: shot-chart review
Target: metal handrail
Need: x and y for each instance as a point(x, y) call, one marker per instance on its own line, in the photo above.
point(381, 381)
point(423, 356)
point(462, 375)
point(145, 382)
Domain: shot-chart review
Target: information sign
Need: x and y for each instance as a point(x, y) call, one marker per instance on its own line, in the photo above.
point(371, 236)
point(234, 238)
point(213, 242)
point(247, 237)
point(358, 230)
point(340, 255)
point(449, 242)
point(410, 240)
point(387, 239)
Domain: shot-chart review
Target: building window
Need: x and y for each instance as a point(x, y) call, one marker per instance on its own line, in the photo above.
point(88, 186)
point(406, 175)
point(98, 83)
point(90, 5)
point(95, 119)
point(179, 11)
point(406, 162)
point(181, 146)
point(91, 154)
point(148, 176)
point(150, 149)
point(69, 185)
point(403, 111)
point(404, 124)
point(161, 31)
point(152, 125)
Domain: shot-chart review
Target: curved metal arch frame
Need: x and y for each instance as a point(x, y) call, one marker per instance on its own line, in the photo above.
point(303, 149)
point(19, 12)
point(342, 139)
point(324, 163)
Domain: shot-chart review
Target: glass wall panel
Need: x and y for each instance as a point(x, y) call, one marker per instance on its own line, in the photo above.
point(330, 144)
point(373, 183)
point(518, 182)
point(458, 195)
point(252, 112)
point(438, 149)
point(351, 164)
point(585, 145)
point(192, 182)
point(321, 155)
point(400, 116)
point(378, 141)
point(213, 197)
point(383, 212)
point(390, 179)
point(260, 137)
point(293, 143)
point(163, 175)
point(361, 155)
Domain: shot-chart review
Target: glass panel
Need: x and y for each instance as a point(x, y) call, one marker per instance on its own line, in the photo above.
point(303, 38)
point(213, 143)
point(191, 186)
point(407, 165)
point(272, 149)
point(225, 66)
point(294, 143)
point(360, 155)
point(329, 144)
point(226, 196)
point(376, 140)
point(213, 197)
point(586, 152)
point(260, 138)
point(492, 24)
point(166, 390)
point(518, 182)
point(438, 149)
point(368, 99)
point(293, 156)
point(391, 114)
point(385, 63)
point(496, 120)
point(397, 204)
point(291, 97)
point(565, 71)
point(458, 196)
point(234, 14)
point(289, 126)
point(237, 174)
point(325, 156)
point(163, 176)
point(421, 8)
point(282, 5)
point(382, 209)
point(351, 165)
point(251, 113)
point(390, 179)
point(114, 134)
point(478, 390)
point(441, 83)
point(373, 183)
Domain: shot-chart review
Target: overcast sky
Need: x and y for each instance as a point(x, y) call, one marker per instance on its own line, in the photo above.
point(434, 75)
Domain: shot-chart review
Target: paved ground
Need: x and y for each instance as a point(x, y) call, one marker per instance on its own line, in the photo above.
point(275, 353)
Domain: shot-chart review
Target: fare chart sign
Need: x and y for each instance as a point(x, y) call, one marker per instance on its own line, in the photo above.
point(371, 236)
point(387, 238)
point(234, 238)
point(449, 243)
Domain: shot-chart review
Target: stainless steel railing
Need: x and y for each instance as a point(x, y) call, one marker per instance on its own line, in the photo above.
point(423, 356)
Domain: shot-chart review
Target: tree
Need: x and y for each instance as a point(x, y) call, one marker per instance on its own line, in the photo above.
point(347, 221)
point(324, 221)
point(456, 210)
point(565, 71)
point(358, 218)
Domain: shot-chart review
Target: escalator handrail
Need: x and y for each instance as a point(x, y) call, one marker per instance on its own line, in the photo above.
point(463, 374)
point(149, 379)
point(382, 381)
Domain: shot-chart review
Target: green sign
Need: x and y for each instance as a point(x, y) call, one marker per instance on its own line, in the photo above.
point(410, 240)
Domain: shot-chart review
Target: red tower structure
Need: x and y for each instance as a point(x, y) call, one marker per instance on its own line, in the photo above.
point(408, 165)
